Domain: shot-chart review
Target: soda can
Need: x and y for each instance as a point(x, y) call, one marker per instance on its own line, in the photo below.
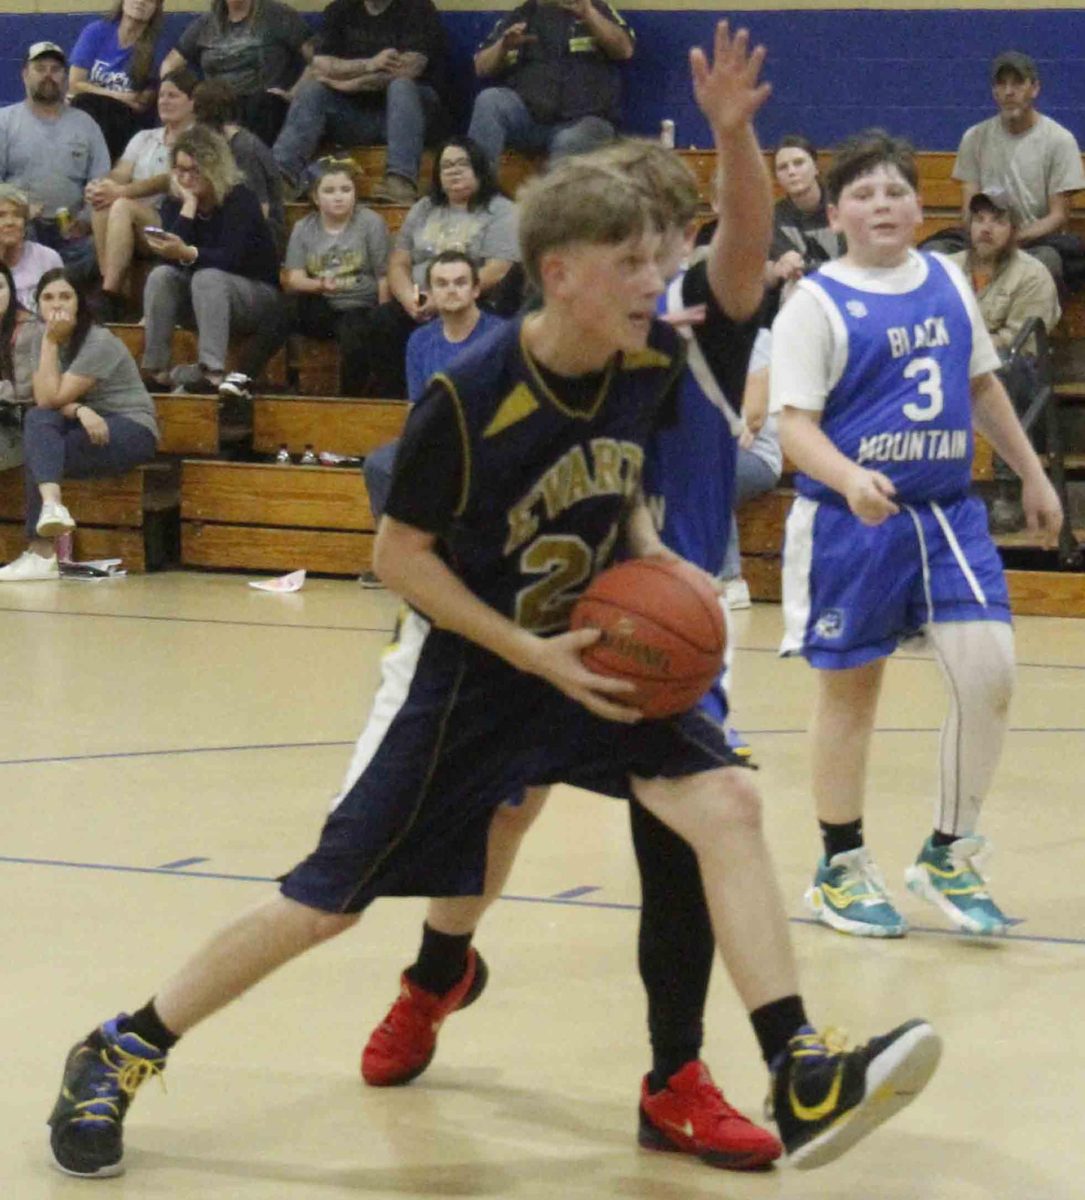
point(64, 221)
point(666, 134)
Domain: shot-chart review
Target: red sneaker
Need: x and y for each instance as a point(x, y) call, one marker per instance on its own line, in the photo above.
point(690, 1116)
point(403, 1044)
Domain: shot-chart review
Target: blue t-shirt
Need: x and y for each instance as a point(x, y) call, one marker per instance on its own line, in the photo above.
point(429, 351)
point(106, 62)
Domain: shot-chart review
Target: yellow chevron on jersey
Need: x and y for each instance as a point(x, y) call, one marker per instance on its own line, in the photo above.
point(640, 360)
point(517, 405)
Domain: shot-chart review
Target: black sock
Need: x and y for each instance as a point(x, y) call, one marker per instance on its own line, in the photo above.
point(838, 839)
point(147, 1024)
point(776, 1024)
point(441, 961)
point(669, 1059)
point(938, 838)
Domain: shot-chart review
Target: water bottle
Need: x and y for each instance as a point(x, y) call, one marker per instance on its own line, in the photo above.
point(283, 455)
point(666, 134)
point(308, 456)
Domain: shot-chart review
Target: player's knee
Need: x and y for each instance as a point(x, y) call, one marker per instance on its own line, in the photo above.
point(741, 807)
point(323, 926)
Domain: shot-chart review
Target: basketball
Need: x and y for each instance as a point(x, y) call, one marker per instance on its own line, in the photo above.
point(662, 629)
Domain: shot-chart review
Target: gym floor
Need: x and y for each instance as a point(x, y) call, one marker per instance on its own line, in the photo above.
point(170, 745)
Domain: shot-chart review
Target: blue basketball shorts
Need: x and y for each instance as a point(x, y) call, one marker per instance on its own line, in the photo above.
point(453, 733)
point(854, 592)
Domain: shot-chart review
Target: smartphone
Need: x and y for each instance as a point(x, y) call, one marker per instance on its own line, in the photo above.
point(154, 231)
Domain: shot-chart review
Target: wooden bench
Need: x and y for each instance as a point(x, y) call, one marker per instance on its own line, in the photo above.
point(340, 424)
point(187, 424)
point(265, 517)
point(183, 350)
point(132, 517)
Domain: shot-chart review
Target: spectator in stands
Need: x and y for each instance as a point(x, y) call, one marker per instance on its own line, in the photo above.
point(27, 261)
point(92, 416)
point(1029, 156)
point(11, 412)
point(758, 465)
point(377, 76)
point(217, 107)
point(1011, 287)
point(52, 152)
point(558, 89)
point(452, 281)
point(129, 198)
point(801, 237)
point(258, 47)
point(113, 70)
point(334, 277)
point(464, 211)
point(221, 268)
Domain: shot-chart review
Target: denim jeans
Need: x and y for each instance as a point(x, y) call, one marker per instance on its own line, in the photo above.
point(318, 112)
point(57, 448)
point(753, 478)
point(500, 116)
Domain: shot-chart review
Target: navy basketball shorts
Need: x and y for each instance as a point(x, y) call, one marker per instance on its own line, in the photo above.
point(454, 732)
point(854, 592)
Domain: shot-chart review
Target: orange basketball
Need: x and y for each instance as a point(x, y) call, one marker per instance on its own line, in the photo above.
point(662, 629)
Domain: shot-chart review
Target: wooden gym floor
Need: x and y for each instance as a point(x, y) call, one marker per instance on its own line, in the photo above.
point(170, 744)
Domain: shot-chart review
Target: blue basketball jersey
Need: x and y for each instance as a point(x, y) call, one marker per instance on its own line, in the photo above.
point(545, 487)
point(902, 405)
point(689, 469)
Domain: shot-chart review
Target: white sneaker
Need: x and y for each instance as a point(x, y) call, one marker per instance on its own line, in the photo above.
point(30, 566)
point(736, 592)
point(54, 520)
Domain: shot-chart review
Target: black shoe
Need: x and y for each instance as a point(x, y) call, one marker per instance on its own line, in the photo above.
point(826, 1098)
point(101, 1076)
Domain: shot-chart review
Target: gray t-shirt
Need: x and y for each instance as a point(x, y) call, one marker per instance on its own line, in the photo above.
point(357, 256)
point(52, 160)
point(1032, 166)
point(482, 233)
point(251, 55)
point(117, 390)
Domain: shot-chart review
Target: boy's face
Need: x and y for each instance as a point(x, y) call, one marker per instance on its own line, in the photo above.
point(878, 214)
point(675, 247)
point(608, 292)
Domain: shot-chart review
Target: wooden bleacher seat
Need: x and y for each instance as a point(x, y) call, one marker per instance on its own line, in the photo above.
point(340, 424)
point(183, 350)
point(131, 516)
point(187, 424)
point(265, 517)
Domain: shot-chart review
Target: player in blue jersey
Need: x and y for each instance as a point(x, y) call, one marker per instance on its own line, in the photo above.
point(689, 471)
point(538, 438)
point(881, 365)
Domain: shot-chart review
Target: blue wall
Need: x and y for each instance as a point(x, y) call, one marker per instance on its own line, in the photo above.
point(921, 74)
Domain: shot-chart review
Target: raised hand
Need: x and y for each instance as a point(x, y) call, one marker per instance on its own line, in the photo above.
point(727, 91)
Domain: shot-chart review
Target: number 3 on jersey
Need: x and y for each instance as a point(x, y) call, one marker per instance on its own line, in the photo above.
point(931, 387)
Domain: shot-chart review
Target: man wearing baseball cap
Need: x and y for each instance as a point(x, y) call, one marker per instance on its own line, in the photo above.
point(1031, 157)
point(52, 152)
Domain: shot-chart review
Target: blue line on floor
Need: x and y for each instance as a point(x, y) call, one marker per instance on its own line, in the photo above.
point(63, 758)
point(574, 893)
point(181, 863)
point(13, 860)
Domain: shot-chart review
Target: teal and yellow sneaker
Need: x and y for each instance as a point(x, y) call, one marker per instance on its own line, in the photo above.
point(101, 1076)
point(950, 878)
point(825, 1098)
point(849, 895)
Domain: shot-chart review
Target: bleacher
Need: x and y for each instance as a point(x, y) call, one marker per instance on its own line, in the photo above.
point(216, 501)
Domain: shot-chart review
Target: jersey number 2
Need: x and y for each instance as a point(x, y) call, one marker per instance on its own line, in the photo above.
point(931, 387)
point(564, 561)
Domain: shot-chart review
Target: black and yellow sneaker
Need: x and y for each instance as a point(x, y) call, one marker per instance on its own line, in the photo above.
point(101, 1076)
point(825, 1098)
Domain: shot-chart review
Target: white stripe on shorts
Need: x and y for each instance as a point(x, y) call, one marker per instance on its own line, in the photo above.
point(798, 553)
point(398, 665)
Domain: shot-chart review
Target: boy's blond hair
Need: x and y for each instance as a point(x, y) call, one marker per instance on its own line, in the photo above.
point(580, 200)
point(660, 172)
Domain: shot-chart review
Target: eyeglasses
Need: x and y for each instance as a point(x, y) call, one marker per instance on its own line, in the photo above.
point(192, 172)
point(454, 164)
